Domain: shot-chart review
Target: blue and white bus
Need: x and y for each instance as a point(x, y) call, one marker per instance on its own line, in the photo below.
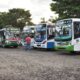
point(44, 36)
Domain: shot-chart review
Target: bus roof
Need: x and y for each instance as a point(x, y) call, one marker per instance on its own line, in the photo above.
point(2, 30)
point(73, 19)
point(47, 23)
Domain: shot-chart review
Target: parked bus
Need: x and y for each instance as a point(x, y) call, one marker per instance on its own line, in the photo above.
point(44, 36)
point(29, 30)
point(68, 34)
point(7, 39)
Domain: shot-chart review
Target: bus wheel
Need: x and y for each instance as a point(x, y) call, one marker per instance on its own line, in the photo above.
point(15, 46)
point(74, 52)
point(47, 49)
point(34, 48)
point(3, 46)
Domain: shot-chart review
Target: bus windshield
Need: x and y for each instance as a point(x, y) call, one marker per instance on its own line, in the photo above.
point(63, 29)
point(8, 34)
point(40, 33)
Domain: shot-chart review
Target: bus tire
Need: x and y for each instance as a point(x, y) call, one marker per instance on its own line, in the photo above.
point(47, 49)
point(15, 46)
point(74, 52)
point(3, 46)
point(34, 48)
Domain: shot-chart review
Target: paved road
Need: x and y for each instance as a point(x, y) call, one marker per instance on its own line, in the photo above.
point(18, 64)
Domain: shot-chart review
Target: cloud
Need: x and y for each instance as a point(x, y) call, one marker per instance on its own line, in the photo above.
point(38, 8)
point(4, 5)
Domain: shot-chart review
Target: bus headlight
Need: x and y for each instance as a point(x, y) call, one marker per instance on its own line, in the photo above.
point(7, 41)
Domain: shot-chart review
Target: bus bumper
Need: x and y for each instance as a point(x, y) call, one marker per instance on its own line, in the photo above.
point(40, 46)
point(11, 45)
point(45, 46)
point(65, 48)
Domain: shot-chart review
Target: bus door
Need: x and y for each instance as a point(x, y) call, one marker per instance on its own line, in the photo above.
point(50, 37)
point(76, 36)
point(2, 37)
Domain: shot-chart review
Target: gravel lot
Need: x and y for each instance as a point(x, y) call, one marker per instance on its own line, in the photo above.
point(18, 64)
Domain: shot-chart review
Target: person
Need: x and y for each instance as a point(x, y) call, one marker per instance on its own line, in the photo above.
point(28, 42)
point(32, 43)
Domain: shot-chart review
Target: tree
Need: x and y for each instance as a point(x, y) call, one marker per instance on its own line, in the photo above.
point(66, 8)
point(3, 19)
point(51, 19)
point(43, 20)
point(16, 18)
point(19, 17)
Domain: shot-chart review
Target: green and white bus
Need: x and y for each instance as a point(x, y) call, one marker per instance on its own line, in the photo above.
point(7, 39)
point(67, 35)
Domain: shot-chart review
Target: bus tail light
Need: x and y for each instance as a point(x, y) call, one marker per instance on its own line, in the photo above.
point(44, 42)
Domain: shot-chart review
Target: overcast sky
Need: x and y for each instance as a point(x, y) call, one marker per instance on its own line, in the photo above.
point(38, 8)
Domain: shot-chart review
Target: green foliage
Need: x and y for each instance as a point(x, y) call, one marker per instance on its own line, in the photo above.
point(42, 20)
point(16, 18)
point(3, 21)
point(66, 8)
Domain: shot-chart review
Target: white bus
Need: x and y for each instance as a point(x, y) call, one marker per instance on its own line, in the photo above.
point(28, 30)
point(7, 39)
point(68, 34)
point(44, 36)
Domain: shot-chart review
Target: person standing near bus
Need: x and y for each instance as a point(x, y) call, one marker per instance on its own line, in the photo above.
point(28, 42)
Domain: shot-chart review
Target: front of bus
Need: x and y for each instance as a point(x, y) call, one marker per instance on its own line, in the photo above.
point(10, 40)
point(63, 35)
point(40, 36)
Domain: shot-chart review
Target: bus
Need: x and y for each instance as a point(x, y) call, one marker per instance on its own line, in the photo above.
point(7, 39)
point(67, 35)
point(44, 36)
point(29, 30)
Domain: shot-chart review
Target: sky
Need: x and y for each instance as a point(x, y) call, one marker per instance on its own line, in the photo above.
point(38, 8)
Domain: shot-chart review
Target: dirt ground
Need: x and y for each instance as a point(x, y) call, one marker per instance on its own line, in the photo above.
point(18, 64)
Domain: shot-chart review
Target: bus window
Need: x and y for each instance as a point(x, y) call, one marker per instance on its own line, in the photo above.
point(76, 30)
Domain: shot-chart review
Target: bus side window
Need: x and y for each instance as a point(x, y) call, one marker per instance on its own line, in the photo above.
point(76, 30)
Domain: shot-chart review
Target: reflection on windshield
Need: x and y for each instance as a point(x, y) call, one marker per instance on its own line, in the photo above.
point(63, 30)
point(40, 32)
point(40, 35)
point(40, 27)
